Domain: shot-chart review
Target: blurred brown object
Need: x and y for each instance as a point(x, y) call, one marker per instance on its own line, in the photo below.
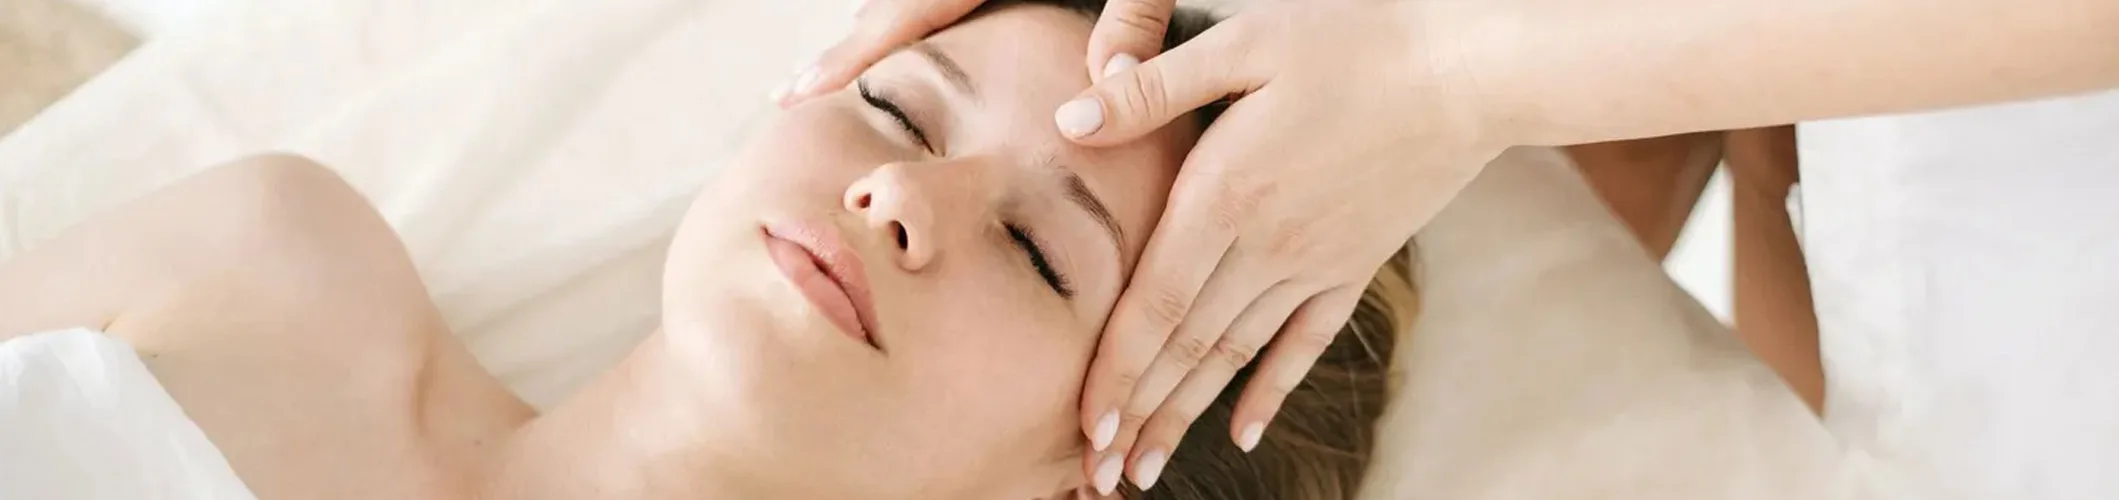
point(1652, 185)
point(48, 47)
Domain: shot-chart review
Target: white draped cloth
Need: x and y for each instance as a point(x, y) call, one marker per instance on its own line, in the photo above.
point(1966, 269)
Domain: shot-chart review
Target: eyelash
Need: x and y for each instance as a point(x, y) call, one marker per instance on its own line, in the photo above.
point(896, 113)
point(1037, 261)
point(1023, 238)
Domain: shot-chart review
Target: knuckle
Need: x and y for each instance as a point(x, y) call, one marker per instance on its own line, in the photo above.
point(1125, 380)
point(1144, 19)
point(1148, 96)
point(1289, 241)
point(1133, 419)
point(1168, 306)
point(1235, 355)
point(1169, 426)
point(1278, 390)
point(1236, 201)
point(1188, 351)
point(1316, 339)
point(1239, 31)
point(1181, 417)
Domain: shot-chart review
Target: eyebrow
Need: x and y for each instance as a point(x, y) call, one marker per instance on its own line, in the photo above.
point(950, 69)
point(1079, 193)
point(1077, 190)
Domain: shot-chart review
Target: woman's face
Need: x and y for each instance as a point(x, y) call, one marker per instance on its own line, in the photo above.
point(979, 252)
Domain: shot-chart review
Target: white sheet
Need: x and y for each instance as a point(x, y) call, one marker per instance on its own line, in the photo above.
point(81, 418)
point(535, 153)
point(145, 18)
point(1555, 360)
point(532, 176)
point(1966, 266)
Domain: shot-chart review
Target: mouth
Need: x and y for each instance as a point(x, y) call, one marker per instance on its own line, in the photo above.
point(829, 273)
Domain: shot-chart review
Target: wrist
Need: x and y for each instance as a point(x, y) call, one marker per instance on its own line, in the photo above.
point(1469, 55)
point(1544, 73)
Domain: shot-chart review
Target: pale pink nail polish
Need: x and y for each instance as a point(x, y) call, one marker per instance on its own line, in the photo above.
point(1150, 468)
point(1119, 64)
point(1107, 471)
point(1251, 434)
point(1106, 430)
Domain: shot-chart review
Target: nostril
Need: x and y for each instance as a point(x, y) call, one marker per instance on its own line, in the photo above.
point(904, 241)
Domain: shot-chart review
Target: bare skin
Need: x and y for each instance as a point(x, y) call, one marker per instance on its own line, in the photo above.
point(1652, 185)
point(197, 296)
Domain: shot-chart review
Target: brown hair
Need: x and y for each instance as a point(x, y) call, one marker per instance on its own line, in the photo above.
point(1318, 447)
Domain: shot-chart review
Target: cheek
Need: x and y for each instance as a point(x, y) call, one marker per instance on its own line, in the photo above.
point(1004, 372)
point(800, 163)
point(808, 153)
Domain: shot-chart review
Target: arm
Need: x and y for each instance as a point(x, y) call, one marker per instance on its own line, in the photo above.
point(1774, 313)
point(1550, 70)
point(1651, 184)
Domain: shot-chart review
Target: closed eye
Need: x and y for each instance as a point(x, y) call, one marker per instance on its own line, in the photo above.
point(1028, 242)
point(887, 106)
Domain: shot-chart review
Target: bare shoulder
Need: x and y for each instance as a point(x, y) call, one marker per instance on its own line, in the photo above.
point(273, 245)
point(281, 311)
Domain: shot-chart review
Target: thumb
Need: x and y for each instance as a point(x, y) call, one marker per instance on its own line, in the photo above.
point(1131, 104)
point(882, 27)
point(1130, 31)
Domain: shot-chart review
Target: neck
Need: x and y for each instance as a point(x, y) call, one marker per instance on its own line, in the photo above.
point(632, 434)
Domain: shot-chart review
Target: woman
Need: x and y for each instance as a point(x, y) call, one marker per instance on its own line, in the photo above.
point(893, 294)
point(1315, 84)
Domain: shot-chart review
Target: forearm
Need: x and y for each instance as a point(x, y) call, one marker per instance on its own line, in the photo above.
point(1774, 313)
point(1570, 71)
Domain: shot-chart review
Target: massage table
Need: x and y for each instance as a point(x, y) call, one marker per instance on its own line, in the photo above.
point(536, 154)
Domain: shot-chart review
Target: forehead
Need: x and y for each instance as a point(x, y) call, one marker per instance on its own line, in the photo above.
point(1028, 60)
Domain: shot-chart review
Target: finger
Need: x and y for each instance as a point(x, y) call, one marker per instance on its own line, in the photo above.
point(1188, 244)
point(1140, 327)
point(1130, 104)
point(1190, 240)
point(1105, 469)
point(1128, 32)
point(1165, 431)
point(1309, 331)
point(1228, 292)
point(884, 26)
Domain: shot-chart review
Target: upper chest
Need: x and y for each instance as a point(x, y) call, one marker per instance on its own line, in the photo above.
point(299, 417)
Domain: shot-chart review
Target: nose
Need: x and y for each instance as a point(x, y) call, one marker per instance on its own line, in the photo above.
point(900, 203)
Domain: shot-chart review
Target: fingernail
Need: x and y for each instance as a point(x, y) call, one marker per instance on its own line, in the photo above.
point(1107, 474)
point(1120, 63)
point(1106, 430)
point(1251, 434)
point(779, 93)
point(804, 81)
point(1149, 469)
point(1080, 117)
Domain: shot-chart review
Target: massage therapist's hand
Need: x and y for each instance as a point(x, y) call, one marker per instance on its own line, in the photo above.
point(1128, 31)
point(1346, 135)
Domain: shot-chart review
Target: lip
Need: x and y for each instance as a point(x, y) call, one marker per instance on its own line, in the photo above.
point(829, 273)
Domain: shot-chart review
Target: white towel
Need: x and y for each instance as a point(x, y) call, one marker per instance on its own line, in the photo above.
point(81, 418)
